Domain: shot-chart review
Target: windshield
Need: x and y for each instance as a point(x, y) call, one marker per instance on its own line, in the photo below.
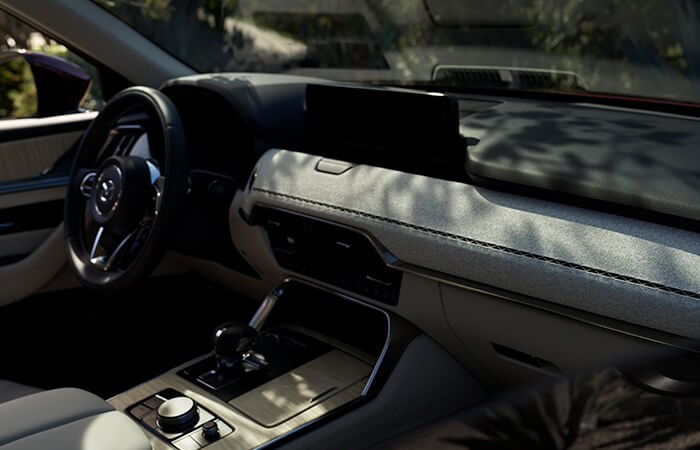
point(640, 48)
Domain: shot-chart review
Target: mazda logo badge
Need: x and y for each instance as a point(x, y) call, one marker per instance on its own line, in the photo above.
point(106, 191)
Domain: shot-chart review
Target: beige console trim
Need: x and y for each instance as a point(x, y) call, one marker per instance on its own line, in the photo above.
point(284, 397)
point(302, 395)
point(248, 433)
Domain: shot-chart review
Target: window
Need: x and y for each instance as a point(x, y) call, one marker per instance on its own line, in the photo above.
point(18, 90)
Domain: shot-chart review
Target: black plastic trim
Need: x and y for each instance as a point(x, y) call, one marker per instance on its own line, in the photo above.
point(11, 259)
point(332, 253)
point(36, 216)
point(32, 184)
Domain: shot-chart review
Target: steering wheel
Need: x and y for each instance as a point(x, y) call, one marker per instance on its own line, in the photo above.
point(122, 205)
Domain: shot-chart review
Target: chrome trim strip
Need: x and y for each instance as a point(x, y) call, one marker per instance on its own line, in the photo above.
point(95, 243)
point(84, 188)
point(376, 366)
point(118, 250)
point(387, 341)
point(33, 184)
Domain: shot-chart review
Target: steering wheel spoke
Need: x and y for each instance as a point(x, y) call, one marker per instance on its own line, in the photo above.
point(158, 186)
point(99, 245)
point(158, 183)
point(123, 245)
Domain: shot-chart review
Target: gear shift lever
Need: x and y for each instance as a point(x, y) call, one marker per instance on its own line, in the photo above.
point(242, 360)
point(266, 306)
point(232, 340)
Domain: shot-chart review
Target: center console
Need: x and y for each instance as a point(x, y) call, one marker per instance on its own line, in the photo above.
point(308, 355)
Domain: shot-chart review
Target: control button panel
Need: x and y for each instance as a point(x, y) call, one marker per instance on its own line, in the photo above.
point(198, 438)
point(196, 429)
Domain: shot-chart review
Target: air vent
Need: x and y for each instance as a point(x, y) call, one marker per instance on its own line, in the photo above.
point(507, 78)
point(328, 252)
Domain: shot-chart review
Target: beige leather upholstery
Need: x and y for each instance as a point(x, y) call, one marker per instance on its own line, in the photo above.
point(25, 277)
point(10, 390)
point(64, 419)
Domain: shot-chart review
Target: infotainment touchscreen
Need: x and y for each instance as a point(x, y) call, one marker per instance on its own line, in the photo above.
point(384, 126)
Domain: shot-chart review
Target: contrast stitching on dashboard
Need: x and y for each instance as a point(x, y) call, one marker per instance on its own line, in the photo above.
point(490, 246)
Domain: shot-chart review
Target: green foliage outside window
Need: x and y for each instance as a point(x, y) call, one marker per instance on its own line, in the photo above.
point(17, 89)
point(18, 97)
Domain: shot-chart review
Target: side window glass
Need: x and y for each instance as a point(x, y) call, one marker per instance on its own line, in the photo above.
point(24, 54)
point(17, 88)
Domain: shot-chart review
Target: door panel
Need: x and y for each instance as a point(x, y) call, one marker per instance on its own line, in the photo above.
point(35, 160)
point(26, 276)
point(18, 246)
point(30, 217)
point(30, 196)
point(31, 157)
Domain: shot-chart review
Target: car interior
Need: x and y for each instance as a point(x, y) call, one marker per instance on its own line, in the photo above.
point(233, 259)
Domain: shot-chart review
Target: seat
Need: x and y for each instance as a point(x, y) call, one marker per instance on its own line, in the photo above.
point(66, 419)
point(10, 390)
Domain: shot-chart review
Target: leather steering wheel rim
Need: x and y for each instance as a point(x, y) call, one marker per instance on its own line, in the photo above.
point(174, 167)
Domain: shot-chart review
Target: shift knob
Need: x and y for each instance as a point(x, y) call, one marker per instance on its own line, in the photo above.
point(231, 340)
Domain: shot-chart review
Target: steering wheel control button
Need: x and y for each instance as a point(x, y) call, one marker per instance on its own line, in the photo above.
point(177, 414)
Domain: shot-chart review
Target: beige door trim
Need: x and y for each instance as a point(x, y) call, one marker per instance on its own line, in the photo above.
point(25, 277)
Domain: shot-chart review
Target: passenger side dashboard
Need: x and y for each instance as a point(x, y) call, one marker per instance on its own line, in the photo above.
point(499, 254)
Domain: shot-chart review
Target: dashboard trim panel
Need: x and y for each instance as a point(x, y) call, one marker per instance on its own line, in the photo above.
point(381, 200)
point(500, 248)
point(629, 329)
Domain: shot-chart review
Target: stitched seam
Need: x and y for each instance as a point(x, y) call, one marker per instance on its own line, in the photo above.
point(487, 245)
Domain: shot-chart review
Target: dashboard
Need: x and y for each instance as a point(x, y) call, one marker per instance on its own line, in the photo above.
point(435, 212)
